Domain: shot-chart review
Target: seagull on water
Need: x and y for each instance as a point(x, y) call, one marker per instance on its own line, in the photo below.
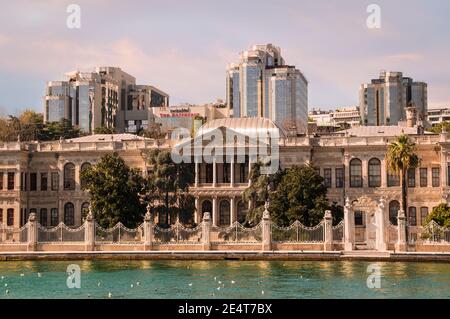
point(262, 292)
point(39, 274)
point(7, 291)
point(233, 282)
point(190, 284)
point(109, 295)
point(138, 283)
point(131, 285)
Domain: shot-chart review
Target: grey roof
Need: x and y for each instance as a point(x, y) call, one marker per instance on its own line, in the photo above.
point(106, 138)
point(249, 126)
point(367, 131)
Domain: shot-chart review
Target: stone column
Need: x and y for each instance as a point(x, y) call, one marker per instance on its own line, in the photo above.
point(148, 230)
point(401, 241)
point(381, 230)
point(232, 210)
point(196, 173)
point(206, 231)
point(89, 231)
point(349, 226)
point(32, 232)
point(214, 211)
point(365, 173)
point(328, 231)
point(214, 173)
point(232, 172)
point(346, 171)
point(383, 173)
point(444, 181)
point(249, 171)
point(266, 229)
point(197, 214)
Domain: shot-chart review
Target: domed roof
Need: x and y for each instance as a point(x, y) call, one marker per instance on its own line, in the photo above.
point(249, 126)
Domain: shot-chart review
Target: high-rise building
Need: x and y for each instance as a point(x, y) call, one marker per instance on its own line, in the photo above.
point(106, 97)
point(262, 85)
point(384, 100)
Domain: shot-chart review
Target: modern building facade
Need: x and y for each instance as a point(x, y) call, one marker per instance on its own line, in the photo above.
point(339, 118)
point(262, 85)
point(384, 100)
point(106, 97)
point(436, 116)
point(44, 178)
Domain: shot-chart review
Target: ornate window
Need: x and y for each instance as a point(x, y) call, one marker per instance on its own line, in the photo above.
point(10, 217)
point(327, 177)
point(69, 214)
point(394, 207)
point(423, 215)
point(435, 175)
point(69, 176)
point(411, 177)
point(423, 177)
point(412, 216)
point(242, 210)
point(355, 173)
point(83, 168)
point(339, 177)
point(43, 217)
point(374, 172)
point(359, 221)
point(224, 213)
point(54, 217)
point(393, 179)
point(206, 207)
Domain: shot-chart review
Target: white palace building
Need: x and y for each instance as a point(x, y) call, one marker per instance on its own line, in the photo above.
point(44, 177)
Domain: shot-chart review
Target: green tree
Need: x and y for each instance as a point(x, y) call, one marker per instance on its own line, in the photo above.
point(55, 130)
point(258, 191)
point(116, 192)
point(400, 157)
point(168, 187)
point(103, 130)
point(301, 195)
point(441, 215)
point(437, 129)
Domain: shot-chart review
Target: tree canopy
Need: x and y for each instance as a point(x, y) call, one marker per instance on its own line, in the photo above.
point(116, 192)
point(441, 215)
point(169, 184)
point(296, 193)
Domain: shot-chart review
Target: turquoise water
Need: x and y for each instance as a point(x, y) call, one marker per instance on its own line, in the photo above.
point(238, 279)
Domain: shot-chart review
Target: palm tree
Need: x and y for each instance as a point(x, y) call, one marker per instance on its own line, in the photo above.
point(401, 157)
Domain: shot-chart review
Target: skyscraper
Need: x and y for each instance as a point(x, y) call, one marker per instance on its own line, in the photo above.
point(262, 85)
point(106, 97)
point(384, 100)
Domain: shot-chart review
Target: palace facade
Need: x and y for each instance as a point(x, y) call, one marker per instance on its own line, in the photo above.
point(44, 178)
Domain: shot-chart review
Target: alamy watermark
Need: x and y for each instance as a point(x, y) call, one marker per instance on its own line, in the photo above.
point(228, 146)
point(73, 21)
point(73, 276)
point(374, 19)
point(374, 279)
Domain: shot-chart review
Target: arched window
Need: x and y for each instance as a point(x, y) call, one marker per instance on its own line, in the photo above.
point(242, 210)
point(394, 207)
point(374, 172)
point(54, 217)
point(69, 214)
point(43, 217)
point(355, 173)
point(83, 168)
point(359, 221)
point(69, 176)
point(206, 207)
point(10, 217)
point(224, 213)
point(84, 210)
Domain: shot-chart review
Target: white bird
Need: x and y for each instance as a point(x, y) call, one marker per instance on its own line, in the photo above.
point(138, 283)
point(220, 282)
point(190, 284)
point(131, 285)
point(215, 278)
point(262, 292)
point(218, 288)
point(109, 295)
point(6, 285)
point(3, 277)
point(98, 284)
point(39, 274)
point(7, 291)
point(233, 282)
point(89, 295)
point(21, 275)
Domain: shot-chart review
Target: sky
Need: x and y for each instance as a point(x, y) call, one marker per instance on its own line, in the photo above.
point(183, 46)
